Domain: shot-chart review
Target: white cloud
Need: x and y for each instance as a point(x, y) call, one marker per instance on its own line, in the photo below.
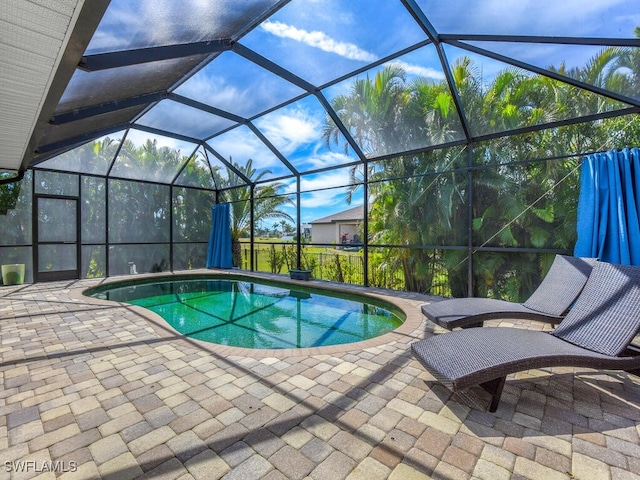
point(333, 179)
point(178, 118)
point(295, 130)
point(291, 129)
point(328, 195)
point(241, 145)
point(418, 70)
point(213, 91)
point(324, 199)
point(319, 40)
point(325, 159)
point(321, 204)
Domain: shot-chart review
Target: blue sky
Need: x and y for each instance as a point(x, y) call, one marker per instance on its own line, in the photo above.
point(319, 41)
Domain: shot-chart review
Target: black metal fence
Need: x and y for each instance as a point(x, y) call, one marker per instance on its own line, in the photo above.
point(339, 265)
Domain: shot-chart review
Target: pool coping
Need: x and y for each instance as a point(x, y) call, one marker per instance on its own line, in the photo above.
point(410, 308)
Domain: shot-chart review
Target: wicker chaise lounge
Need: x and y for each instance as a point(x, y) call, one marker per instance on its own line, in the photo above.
point(549, 303)
point(596, 333)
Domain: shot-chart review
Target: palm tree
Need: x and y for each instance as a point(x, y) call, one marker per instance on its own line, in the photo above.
point(284, 225)
point(514, 205)
point(629, 61)
point(414, 207)
point(266, 200)
point(432, 114)
point(372, 112)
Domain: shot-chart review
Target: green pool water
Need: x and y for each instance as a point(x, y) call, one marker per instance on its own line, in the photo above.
point(258, 315)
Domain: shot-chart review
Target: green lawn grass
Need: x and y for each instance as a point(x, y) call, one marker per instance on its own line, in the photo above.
point(263, 246)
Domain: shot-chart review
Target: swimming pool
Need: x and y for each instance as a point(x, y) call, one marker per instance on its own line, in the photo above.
point(251, 313)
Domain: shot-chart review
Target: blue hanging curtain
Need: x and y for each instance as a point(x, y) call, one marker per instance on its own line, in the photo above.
point(219, 251)
point(608, 206)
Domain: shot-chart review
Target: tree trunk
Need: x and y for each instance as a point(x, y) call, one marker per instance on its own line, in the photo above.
point(236, 252)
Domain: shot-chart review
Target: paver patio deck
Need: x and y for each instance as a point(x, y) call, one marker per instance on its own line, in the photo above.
point(102, 390)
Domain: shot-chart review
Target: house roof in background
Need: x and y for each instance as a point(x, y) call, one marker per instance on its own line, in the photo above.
point(355, 214)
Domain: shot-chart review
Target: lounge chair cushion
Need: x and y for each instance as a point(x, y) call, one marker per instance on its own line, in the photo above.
point(611, 291)
point(551, 300)
point(595, 334)
point(465, 358)
point(561, 285)
point(462, 312)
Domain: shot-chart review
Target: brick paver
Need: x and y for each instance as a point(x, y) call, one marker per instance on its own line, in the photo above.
point(116, 393)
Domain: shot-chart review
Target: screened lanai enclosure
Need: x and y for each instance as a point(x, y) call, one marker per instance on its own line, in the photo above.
point(453, 131)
